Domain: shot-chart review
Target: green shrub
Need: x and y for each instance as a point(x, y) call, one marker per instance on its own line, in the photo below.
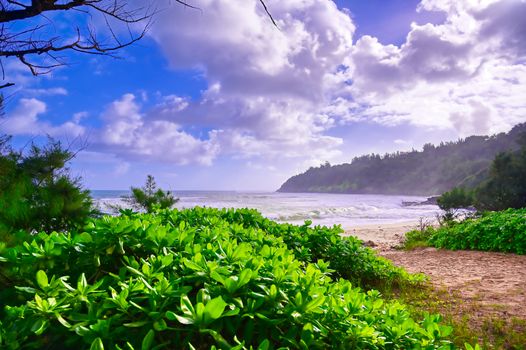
point(503, 231)
point(452, 201)
point(201, 278)
point(348, 257)
point(418, 238)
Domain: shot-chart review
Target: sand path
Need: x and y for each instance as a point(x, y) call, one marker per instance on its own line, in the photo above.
point(495, 281)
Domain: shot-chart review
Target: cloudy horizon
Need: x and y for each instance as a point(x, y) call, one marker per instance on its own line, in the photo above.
point(220, 99)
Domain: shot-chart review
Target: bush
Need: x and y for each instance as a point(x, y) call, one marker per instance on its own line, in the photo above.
point(452, 201)
point(191, 279)
point(503, 231)
point(505, 187)
point(418, 238)
point(495, 231)
point(348, 257)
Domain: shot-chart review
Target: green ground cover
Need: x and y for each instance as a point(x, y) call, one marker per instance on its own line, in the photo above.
point(501, 231)
point(202, 278)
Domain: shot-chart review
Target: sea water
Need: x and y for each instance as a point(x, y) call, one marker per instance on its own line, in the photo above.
point(347, 210)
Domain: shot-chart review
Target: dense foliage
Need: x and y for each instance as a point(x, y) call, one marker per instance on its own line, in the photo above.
point(36, 191)
point(149, 198)
point(198, 278)
point(454, 200)
point(503, 231)
point(433, 170)
point(503, 188)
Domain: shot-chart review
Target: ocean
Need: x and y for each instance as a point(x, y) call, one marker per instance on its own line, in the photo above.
point(347, 210)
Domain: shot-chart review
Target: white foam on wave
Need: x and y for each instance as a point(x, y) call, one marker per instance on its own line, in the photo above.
point(322, 209)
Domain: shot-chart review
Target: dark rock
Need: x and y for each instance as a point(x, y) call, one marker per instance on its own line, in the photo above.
point(429, 201)
point(369, 244)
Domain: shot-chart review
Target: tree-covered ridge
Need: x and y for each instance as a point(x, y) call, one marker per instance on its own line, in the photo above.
point(433, 170)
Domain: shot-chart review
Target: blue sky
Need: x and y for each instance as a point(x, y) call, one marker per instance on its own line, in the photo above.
point(219, 99)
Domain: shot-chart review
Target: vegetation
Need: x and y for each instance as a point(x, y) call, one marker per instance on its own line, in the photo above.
point(503, 231)
point(200, 278)
point(37, 192)
point(436, 169)
point(503, 188)
point(149, 197)
point(454, 200)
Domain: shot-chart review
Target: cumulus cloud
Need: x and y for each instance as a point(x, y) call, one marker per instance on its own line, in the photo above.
point(278, 93)
point(128, 132)
point(24, 120)
point(267, 86)
point(467, 74)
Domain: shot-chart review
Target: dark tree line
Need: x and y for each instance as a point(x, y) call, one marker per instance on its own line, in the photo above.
point(434, 170)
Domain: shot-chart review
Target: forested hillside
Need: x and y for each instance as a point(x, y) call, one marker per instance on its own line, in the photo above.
point(433, 170)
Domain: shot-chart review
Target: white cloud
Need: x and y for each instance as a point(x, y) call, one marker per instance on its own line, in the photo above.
point(468, 74)
point(24, 120)
point(129, 133)
point(276, 93)
point(56, 91)
point(267, 86)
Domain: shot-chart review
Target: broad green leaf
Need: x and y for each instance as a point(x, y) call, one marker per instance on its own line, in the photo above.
point(244, 278)
point(39, 326)
point(172, 316)
point(214, 309)
point(186, 305)
point(97, 345)
point(42, 279)
point(264, 345)
point(147, 342)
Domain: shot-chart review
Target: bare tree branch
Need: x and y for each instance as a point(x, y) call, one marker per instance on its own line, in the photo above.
point(33, 43)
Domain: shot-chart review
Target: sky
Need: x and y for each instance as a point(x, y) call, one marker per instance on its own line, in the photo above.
point(220, 99)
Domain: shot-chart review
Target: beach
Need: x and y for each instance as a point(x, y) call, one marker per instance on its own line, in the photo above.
point(382, 236)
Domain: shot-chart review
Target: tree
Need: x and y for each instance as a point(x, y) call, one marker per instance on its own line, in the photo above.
point(150, 198)
point(452, 201)
point(34, 42)
point(37, 193)
point(505, 188)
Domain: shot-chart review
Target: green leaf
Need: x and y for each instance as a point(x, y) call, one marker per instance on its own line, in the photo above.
point(42, 279)
point(39, 327)
point(136, 324)
point(244, 277)
point(82, 283)
point(214, 309)
point(264, 345)
point(184, 320)
point(97, 345)
point(186, 305)
point(148, 340)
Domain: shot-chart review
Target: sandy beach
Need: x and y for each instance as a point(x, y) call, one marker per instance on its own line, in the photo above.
point(383, 235)
point(489, 284)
